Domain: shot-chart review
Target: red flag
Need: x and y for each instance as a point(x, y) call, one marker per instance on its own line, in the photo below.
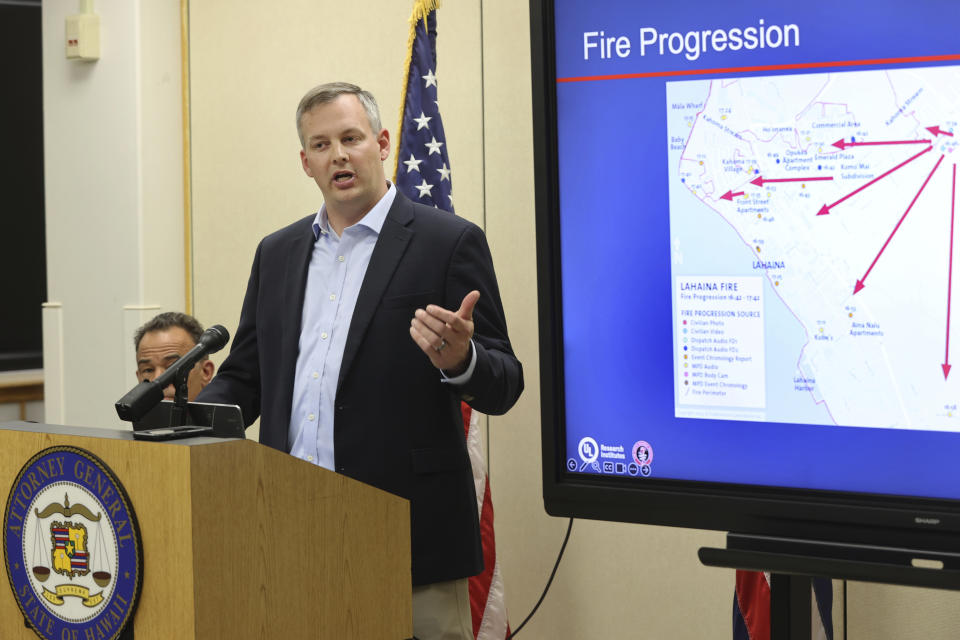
point(751, 606)
point(487, 602)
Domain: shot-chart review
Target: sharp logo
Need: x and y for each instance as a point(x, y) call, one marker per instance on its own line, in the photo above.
point(920, 520)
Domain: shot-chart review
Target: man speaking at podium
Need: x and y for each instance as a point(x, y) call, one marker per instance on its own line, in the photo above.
point(363, 327)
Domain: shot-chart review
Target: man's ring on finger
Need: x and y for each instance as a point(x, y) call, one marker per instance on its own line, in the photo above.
point(440, 347)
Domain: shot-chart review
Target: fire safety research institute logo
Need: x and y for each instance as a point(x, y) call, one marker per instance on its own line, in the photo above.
point(72, 546)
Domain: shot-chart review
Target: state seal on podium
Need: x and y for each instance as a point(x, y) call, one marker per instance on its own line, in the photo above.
point(72, 547)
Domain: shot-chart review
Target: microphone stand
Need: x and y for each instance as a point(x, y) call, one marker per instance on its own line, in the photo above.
point(178, 412)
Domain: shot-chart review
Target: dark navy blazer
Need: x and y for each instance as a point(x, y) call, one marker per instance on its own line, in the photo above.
point(396, 425)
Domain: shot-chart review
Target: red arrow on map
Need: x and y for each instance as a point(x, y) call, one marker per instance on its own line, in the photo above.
point(826, 208)
point(840, 144)
point(953, 196)
point(937, 131)
point(861, 282)
point(730, 195)
point(760, 180)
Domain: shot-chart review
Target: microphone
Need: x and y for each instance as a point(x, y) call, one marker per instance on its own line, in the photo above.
point(148, 394)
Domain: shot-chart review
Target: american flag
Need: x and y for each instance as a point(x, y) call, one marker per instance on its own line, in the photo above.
point(422, 170)
point(422, 173)
point(751, 607)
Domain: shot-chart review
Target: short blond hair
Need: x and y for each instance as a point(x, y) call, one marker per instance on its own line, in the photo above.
point(324, 93)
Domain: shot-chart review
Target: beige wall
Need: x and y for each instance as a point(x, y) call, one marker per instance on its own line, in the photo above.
point(114, 200)
point(112, 182)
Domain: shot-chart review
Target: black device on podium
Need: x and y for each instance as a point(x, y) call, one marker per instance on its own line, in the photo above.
point(156, 419)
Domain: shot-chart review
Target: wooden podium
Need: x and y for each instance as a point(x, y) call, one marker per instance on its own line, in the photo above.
point(240, 540)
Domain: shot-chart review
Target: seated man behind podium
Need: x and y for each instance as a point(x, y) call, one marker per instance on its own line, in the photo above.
point(161, 341)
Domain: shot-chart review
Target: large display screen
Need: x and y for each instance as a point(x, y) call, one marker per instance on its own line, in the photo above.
point(748, 248)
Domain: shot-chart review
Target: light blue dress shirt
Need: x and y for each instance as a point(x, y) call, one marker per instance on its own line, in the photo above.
point(336, 271)
point(337, 267)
